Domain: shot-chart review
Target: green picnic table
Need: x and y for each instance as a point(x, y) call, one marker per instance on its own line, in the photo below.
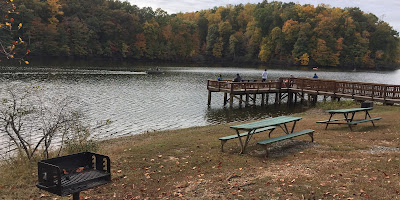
point(252, 128)
point(349, 117)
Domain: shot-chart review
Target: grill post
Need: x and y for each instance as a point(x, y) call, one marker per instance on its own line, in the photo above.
point(75, 196)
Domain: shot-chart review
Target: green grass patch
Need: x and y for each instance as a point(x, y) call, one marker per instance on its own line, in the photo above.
point(188, 164)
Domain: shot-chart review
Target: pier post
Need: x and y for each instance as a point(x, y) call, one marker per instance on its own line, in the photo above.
point(262, 99)
point(254, 98)
point(279, 97)
point(225, 98)
point(276, 97)
point(290, 98)
point(247, 99)
point(231, 95)
point(241, 99)
point(209, 98)
point(314, 99)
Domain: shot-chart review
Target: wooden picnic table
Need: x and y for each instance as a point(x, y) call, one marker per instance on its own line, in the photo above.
point(349, 117)
point(252, 127)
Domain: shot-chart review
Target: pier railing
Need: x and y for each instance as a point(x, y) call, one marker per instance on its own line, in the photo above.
point(347, 88)
point(245, 86)
point(356, 90)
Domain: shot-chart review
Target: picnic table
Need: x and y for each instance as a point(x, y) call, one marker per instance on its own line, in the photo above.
point(349, 117)
point(251, 128)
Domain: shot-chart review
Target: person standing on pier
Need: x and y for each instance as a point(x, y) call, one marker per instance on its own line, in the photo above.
point(315, 75)
point(219, 78)
point(264, 75)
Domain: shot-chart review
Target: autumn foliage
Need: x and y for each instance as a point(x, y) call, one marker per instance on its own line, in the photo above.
point(272, 32)
point(11, 44)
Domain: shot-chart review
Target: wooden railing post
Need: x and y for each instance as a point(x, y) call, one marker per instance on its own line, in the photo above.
point(231, 95)
point(373, 91)
point(384, 94)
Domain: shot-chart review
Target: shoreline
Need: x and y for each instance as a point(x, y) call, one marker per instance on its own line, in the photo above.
point(187, 163)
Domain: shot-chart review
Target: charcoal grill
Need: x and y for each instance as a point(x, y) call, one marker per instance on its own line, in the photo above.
point(74, 173)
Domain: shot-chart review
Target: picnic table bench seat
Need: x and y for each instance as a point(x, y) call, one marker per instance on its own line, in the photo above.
point(364, 120)
point(266, 143)
point(226, 138)
point(329, 121)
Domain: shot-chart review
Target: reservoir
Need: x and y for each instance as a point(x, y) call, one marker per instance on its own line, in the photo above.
point(138, 102)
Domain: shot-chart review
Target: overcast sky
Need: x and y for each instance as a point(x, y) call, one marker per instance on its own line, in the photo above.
point(388, 10)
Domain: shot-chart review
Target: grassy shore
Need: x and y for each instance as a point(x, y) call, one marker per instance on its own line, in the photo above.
point(188, 164)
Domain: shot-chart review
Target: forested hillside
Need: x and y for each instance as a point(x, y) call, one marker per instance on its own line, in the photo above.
point(280, 33)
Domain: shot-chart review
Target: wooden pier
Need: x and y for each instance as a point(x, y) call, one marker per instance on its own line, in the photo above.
point(303, 89)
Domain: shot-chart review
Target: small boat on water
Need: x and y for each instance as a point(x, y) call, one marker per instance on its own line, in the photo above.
point(315, 68)
point(155, 71)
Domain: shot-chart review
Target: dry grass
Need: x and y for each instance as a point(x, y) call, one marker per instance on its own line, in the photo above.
point(188, 164)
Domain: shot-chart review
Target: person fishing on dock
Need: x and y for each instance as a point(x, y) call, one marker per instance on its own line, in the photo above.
point(264, 75)
point(219, 78)
point(238, 78)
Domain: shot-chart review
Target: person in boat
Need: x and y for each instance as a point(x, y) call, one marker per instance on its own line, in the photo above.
point(315, 75)
point(238, 78)
point(264, 75)
point(219, 78)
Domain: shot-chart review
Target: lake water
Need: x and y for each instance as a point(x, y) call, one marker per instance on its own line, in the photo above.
point(136, 102)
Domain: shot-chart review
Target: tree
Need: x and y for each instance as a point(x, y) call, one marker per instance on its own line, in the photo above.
point(152, 30)
point(233, 41)
point(225, 31)
point(218, 48)
point(52, 120)
point(266, 50)
point(324, 55)
point(302, 44)
point(78, 37)
point(304, 59)
point(11, 44)
point(212, 38)
point(140, 45)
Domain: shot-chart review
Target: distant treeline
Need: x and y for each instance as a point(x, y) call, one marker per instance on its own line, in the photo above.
point(274, 33)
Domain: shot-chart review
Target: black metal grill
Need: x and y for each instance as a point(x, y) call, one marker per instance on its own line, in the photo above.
point(73, 173)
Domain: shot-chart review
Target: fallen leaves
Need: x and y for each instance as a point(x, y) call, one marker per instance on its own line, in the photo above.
point(80, 169)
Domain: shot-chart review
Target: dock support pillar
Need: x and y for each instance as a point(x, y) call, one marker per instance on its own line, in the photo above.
point(254, 98)
point(262, 99)
point(231, 95)
point(247, 99)
point(290, 98)
point(241, 100)
point(279, 97)
point(225, 98)
point(209, 98)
